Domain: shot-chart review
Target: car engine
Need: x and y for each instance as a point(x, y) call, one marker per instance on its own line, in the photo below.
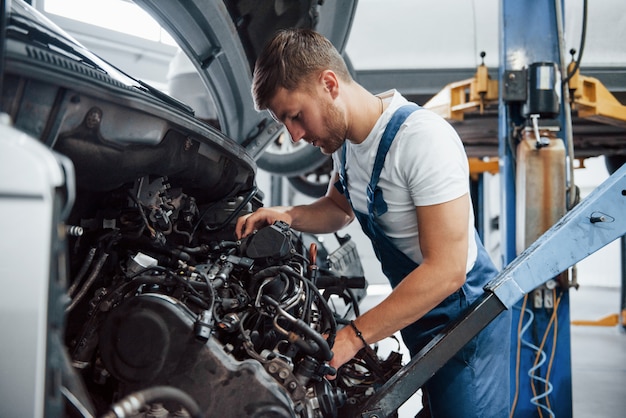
point(162, 295)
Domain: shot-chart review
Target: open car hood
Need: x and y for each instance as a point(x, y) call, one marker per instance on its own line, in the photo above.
point(222, 39)
point(116, 128)
point(113, 127)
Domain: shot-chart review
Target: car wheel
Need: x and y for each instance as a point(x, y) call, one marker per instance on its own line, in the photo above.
point(614, 162)
point(287, 158)
point(314, 183)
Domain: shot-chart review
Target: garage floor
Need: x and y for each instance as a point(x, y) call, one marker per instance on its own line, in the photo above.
point(598, 355)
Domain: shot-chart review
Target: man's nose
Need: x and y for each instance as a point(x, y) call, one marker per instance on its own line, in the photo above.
point(295, 132)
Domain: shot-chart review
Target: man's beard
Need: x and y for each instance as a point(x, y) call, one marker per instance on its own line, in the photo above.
point(335, 128)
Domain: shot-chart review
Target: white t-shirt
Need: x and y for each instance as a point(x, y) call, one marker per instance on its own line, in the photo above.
point(426, 165)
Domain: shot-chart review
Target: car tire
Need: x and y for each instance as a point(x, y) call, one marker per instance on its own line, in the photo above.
point(314, 183)
point(614, 162)
point(290, 159)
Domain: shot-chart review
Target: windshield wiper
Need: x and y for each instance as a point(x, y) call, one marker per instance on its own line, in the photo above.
point(31, 34)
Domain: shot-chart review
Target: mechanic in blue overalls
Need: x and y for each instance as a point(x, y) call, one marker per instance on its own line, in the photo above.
point(403, 173)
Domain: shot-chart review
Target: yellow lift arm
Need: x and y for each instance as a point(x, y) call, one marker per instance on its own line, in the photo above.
point(589, 96)
point(466, 95)
point(594, 101)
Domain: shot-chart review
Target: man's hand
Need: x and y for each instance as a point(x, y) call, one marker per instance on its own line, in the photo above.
point(346, 346)
point(247, 224)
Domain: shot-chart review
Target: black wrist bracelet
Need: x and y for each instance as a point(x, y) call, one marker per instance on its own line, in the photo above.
point(358, 333)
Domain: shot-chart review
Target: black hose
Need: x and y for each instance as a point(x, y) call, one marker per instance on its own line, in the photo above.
point(274, 270)
point(332, 333)
point(583, 36)
point(316, 346)
point(83, 270)
point(232, 216)
point(90, 280)
point(129, 405)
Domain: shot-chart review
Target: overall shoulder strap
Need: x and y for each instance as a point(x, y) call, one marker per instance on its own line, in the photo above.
point(375, 203)
point(342, 183)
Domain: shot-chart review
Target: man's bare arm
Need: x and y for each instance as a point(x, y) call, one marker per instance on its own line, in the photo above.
point(327, 214)
point(444, 238)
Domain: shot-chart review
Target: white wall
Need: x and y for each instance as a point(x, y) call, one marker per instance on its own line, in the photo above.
point(451, 33)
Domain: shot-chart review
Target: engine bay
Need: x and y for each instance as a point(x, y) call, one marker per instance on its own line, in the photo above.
point(155, 308)
point(162, 294)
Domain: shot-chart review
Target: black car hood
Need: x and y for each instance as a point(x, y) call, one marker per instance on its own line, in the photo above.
point(223, 37)
point(115, 128)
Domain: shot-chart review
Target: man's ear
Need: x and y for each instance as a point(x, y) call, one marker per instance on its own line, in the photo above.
point(330, 82)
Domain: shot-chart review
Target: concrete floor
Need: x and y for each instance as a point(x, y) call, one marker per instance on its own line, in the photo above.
point(598, 355)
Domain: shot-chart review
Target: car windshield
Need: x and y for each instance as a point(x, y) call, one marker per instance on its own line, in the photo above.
point(37, 30)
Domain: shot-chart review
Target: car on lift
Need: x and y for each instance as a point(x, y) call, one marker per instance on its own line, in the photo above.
point(126, 290)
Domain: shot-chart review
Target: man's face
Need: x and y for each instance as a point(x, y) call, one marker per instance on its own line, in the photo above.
point(310, 115)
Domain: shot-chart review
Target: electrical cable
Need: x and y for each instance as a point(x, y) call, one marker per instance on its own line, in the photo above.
point(583, 37)
point(534, 400)
point(517, 356)
point(531, 372)
point(537, 356)
point(554, 337)
point(553, 320)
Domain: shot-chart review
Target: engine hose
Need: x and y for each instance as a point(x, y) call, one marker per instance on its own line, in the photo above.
point(322, 301)
point(323, 346)
point(275, 270)
point(83, 270)
point(318, 347)
point(329, 312)
point(92, 278)
point(131, 404)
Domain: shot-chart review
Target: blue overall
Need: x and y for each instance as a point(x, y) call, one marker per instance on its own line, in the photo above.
point(475, 382)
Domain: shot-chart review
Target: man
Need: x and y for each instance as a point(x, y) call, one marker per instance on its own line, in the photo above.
point(409, 189)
